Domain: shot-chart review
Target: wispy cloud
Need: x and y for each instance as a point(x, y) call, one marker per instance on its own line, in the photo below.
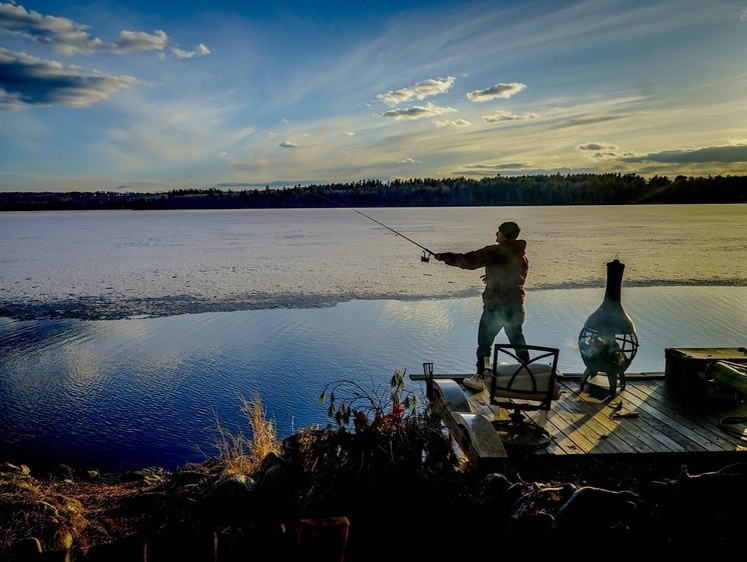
point(453, 123)
point(200, 51)
point(68, 37)
point(417, 112)
point(419, 91)
point(581, 121)
point(724, 154)
point(65, 36)
point(499, 91)
point(500, 116)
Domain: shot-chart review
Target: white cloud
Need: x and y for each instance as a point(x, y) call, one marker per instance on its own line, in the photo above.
point(453, 123)
point(503, 91)
point(139, 41)
point(68, 37)
point(417, 112)
point(500, 116)
point(65, 36)
point(419, 91)
point(199, 51)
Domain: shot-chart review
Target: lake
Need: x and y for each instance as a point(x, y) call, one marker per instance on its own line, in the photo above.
point(125, 336)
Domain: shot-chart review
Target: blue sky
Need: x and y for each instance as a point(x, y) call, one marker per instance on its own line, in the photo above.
point(152, 96)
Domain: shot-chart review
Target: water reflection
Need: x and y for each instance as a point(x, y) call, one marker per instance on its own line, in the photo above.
point(140, 392)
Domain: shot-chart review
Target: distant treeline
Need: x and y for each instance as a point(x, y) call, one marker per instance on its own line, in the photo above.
point(571, 189)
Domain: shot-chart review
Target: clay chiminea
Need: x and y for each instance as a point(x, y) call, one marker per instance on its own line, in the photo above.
point(608, 342)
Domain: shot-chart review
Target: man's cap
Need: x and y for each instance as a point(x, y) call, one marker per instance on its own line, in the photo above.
point(510, 229)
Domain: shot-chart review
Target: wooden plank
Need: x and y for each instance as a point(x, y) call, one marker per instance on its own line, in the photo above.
point(663, 429)
point(636, 432)
point(623, 428)
point(569, 440)
point(587, 432)
point(566, 439)
point(646, 426)
point(651, 427)
point(589, 418)
point(670, 429)
point(700, 428)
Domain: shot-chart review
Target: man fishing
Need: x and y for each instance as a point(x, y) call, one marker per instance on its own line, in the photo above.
point(506, 266)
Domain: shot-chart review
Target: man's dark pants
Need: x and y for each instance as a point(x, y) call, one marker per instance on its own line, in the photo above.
point(497, 317)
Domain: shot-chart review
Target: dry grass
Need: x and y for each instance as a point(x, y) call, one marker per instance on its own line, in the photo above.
point(239, 453)
point(60, 513)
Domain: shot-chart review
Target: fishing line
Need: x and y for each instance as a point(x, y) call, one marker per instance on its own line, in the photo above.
point(424, 258)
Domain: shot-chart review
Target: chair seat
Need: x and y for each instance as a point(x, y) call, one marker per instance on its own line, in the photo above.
point(524, 387)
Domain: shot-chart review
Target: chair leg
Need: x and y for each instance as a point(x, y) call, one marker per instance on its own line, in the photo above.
point(542, 421)
point(612, 379)
point(585, 377)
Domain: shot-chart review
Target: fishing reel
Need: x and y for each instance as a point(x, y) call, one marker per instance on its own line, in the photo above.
point(425, 257)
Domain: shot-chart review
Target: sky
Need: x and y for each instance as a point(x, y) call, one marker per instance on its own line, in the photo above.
point(151, 96)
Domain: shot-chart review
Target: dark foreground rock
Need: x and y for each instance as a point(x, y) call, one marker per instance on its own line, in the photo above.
point(212, 511)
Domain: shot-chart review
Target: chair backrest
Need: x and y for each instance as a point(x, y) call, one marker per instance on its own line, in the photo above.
point(524, 384)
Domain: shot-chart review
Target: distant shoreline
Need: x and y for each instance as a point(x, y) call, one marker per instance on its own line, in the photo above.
point(536, 190)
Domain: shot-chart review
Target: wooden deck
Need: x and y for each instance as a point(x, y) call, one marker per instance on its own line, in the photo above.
point(652, 420)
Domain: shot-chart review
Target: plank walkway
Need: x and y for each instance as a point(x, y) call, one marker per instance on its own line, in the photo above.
point(588, 423)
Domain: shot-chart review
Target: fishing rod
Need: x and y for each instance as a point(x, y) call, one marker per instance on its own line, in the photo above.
point(424, 258)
